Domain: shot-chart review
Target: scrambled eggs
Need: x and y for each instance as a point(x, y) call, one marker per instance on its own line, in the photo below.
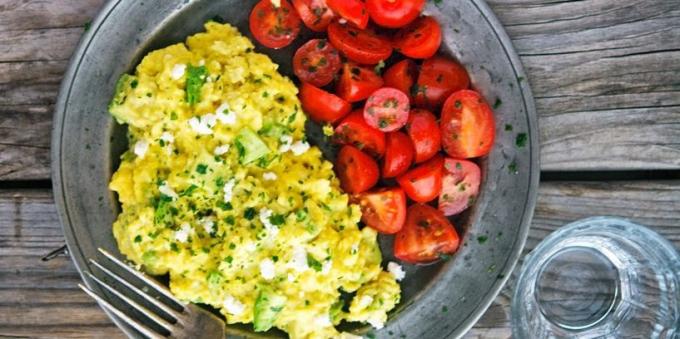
point(221, 190)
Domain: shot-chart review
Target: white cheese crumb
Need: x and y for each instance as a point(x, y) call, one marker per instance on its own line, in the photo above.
point(272, 230)
point(140, 148)
point(269, 176)
point(182, 235)
point(233, 305)
point(219, 150)
point(178, 71)
point(365, 301)
point(396, 270)
point(376, 323)
point(298, 261)
point(210, 120)
point(200, 126)
point(229, 190)
point(299, 147)
point(291, 277)
point(286, 142)
point(165, 189)
point(208, 225)
point(323, 321)
point(225, 115)
point(167, 137)
point(276, 3)
point(267, 269)
point(326, 268)
point(250, 247)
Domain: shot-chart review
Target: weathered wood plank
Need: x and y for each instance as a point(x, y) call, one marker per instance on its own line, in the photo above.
point(45, 293)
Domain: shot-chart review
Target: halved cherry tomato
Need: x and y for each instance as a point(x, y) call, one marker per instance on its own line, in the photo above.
point(383, 209)
point(467, 124)
point(399, 154)
point(387, 109)
point(353, 11)
point(420, 39)
point(439, 77)
point(321, 105)
point(426, 235)
point(423, 183)
point(274, 27)
point(460, 186)
point(361, 46)
point(357, 83)
point(357, 171)
point(402, 76)
point(394, 13)
point(314, 13)
point(424, 131)
point(353, 130)
point(316, 62)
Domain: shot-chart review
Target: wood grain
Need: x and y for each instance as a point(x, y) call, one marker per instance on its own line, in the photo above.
point(605, 73)
point(40, 299)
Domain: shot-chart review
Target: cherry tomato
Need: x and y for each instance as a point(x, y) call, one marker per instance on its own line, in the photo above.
point(399, 154)
point(361, 46)
point(315, 14)
point(420, 39)
point(274, 27)
point(394, 13)
point(467, 125)
point(357, 171)
point(321, 105)
point(438, 78)
point(316, 62)
point(387, 109)
point(402, 76)
point(383, 209)
point(426, 235)
point(357, 83)
point(424, 132)
point(353, 130)
point(353, 11)
point(423, 183)
point(460, 186)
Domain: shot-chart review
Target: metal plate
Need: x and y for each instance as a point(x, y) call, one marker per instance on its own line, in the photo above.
point(438, 301)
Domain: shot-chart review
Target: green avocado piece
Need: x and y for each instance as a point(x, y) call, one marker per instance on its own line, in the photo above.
point(250, 146)
point(268, 305)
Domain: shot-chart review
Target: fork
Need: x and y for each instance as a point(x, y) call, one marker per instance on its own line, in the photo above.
point(178, 319)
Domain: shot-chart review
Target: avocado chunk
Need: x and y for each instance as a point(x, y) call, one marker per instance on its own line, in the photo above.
point(268, 305)
point(250, 146)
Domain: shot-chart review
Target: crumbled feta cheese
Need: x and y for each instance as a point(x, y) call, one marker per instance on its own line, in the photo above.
point(376, 323)
point(286, 142)
point(269, 176)
point(327, 265)
point(167, 137)
point(141, 147)
point(250, 247)
point(166, 190)
point(299, 147)
point(200, 126)
point(365, 301)
point(323, 321)
point(298, 260)
point(267, 269)
point(208, 225)
point(178, 71)
point(291, 277)
point(229, 190)
point(225, 115)
point(182, 235)
point(396, 270)
point(233, 305)
point(276, 3)
point(209, 119)
point(219, 150)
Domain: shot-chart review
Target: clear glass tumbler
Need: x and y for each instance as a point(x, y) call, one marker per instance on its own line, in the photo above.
point(599, 278)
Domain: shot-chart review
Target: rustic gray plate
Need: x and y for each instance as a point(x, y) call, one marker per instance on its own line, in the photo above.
point(439, 301)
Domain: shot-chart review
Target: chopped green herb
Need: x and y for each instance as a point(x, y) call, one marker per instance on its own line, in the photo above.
point(173, 116)
point(379, 67)
point(498, 103)
point(249, 213)
point(277, 219)
point(521, 139)
point(195, 80)
point(508, 127)
point(138, 238)
point(230, 220)
point(512, 168)
point(214, 277)
point(173, 247)
point(189, 190)
point(482, 239)
point(228, 259)
point(201, 168)
point(86, 26)
point(445, 309)
point(313, 263)
point(225, 206)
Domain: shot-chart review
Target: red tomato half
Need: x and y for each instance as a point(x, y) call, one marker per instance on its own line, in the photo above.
point(402, 76)
point(321, 105)
point(314, 13)
point(387, 109)
point(426, 235)
point(353, 130)
point(467, 125)
point(399, 154)
point(439, 77)
point(357, 83)
point(357, 171)
point(274, 27)
point(419, 40)
point(460, 186)
point(316, 62)
point(361, 46)
point(424, 131)
point(394, 13)
point(353, 11)
point(383, 209)
point(423, 183)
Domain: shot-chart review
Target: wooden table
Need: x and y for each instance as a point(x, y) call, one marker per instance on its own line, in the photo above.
point(605, 74)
